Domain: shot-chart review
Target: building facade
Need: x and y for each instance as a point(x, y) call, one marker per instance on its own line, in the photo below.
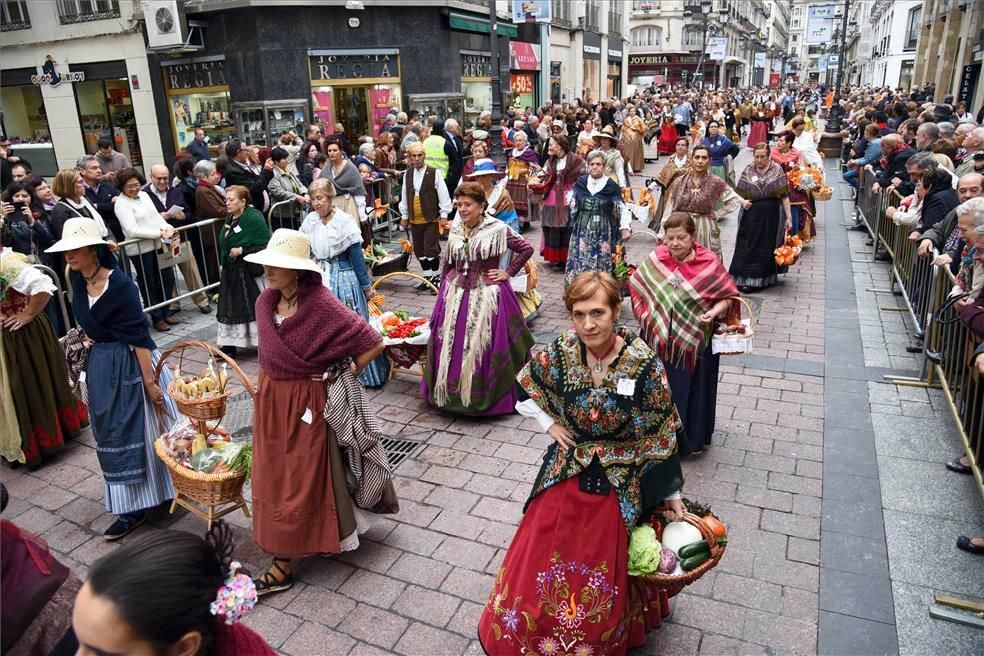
point(886, 50)
point(950, 50)
point(588, 49)
point(71, 73)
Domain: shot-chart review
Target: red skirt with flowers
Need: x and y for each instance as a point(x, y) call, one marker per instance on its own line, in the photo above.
point(564, 587)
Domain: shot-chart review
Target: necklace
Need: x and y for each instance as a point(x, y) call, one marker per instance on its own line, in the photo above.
point(91, 280)
point(291, 301)
point(600, 359)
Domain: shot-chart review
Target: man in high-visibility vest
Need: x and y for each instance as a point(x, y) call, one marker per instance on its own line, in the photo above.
point(424, 207)
point(434, 152)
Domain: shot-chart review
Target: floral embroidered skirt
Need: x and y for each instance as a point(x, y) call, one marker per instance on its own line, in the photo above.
point(561, 590)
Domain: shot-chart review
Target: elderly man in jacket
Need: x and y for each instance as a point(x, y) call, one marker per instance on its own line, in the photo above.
point(101, 192)
point(973, 158)
point(945, 236)
point(236, 173)
point(170, 203)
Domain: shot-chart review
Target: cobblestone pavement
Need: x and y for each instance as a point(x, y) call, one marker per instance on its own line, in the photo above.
point(418, 582)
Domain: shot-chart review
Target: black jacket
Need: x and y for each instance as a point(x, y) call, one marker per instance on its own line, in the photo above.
point(935, 208)
point(456, 160)
point(895, 169)
point(102, 199)
point(236, 174)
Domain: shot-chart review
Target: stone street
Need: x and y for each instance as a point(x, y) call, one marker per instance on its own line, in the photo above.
point(841, 516)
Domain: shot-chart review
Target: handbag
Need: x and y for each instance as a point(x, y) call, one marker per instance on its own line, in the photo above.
point(76, 359)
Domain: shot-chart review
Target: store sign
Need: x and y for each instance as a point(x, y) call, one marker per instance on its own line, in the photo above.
point(532, 11)
point(759, 60)
point(522, 83)
point(195, 75)
point(717, 48)
point(476, 66)
point(355, 65)
point(50, 75)
point(968, 82)
point(820, 24)
point(660, 60)
point(592, 50)
point(617, 54)
point(522, 57)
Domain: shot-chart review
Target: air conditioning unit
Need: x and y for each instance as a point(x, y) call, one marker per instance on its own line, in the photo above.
point(166, 23)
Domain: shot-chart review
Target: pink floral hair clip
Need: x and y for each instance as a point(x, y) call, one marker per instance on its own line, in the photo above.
point(237, 596)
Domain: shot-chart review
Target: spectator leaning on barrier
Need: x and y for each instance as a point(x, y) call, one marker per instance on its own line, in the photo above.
point(891, 166)
point(939, 199)
point(870, 155)
point(944, 236)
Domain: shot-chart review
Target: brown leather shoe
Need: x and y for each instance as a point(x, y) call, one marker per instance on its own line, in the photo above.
point(162, 325)
point(172, 320)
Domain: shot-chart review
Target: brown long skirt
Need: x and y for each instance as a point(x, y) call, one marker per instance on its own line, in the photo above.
point(301, 504)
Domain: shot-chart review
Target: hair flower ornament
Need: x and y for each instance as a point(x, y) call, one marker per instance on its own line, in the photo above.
point(237, 596)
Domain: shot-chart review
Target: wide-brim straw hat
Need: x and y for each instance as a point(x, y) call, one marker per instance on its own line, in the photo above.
point(608, 132)
point(77, 232)
point(287, 249)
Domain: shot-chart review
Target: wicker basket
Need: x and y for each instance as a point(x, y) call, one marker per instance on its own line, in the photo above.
point(220, 494)
point(823, 193)
point(395, 265)
point(668, 581)
point(404, 357)
point(736, 343)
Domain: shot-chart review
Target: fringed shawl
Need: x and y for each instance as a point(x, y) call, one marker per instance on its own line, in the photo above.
point(668, 298)
point(321, 332)
point(696, 199)
point(756, 185)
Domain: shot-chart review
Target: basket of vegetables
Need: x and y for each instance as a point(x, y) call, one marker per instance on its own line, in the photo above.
point(207, 469)
point(404, 337)
point(622, 270)
point(675, 554)
point(381, 261)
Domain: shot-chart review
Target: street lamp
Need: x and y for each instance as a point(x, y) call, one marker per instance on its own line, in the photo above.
point(834, 121)
point(707, 28)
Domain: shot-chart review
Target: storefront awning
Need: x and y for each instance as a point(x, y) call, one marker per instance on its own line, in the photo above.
point(480, 24)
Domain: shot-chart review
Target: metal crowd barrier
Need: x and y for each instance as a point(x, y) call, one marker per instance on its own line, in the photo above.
point(948, 344)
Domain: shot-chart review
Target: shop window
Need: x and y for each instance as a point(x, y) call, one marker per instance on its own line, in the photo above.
point(361, 109)
point(24, 118)
point(14, 16)
point(478, 98)
point(106, 110)
point(208, 111)
point(83, 11)
point(592, 80)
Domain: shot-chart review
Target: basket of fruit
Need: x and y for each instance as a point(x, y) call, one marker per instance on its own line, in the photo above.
point(404, 337)
point(735, 335)
point(206, 467)
point(789, 252)
point(675, 554)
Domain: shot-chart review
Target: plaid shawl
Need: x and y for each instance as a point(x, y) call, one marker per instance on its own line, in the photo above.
point(668, 298)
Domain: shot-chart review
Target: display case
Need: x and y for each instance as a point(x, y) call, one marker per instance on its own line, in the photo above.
point(261, 123)
point(439, 105)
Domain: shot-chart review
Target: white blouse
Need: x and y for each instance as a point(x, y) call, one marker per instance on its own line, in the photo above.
point(140, 219)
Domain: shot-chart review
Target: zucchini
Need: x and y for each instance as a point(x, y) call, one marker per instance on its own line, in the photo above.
point(688, 564)
point(694, 548)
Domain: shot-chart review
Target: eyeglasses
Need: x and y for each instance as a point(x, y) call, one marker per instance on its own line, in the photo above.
point(159, 177)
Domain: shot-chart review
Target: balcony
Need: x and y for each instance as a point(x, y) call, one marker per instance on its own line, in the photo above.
point(14, 16)
point(591, 12)
point(615, 24)
point(84, 11)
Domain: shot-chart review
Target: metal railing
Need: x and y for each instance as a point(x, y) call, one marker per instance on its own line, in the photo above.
point(928, 291)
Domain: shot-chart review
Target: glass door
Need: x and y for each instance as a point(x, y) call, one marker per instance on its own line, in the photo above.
point(351, 110)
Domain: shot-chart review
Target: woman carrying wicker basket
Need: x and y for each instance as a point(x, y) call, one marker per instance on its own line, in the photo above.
point(120, 366)
point(678, 293)
point(309, 435)
point(601, 394)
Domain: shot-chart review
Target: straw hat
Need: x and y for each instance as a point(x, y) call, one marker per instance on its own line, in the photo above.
point(77, 232)
point(287, 249)
point(484, 166)
point(608, 132)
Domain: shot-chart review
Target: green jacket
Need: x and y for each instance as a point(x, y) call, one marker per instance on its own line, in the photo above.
point(252, 236)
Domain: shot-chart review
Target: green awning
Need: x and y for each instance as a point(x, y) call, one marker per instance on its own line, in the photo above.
point(480, 24)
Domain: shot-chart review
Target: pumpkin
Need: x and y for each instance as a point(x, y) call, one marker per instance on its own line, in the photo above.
point(717, 528)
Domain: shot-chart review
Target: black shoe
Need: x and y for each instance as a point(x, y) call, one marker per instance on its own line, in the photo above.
point(964, 544)
point(959, 467)
point(421, 286)
point(231, 351)
point(915, 347)
point(883, 257)
point(205, 309)
point(123, 527)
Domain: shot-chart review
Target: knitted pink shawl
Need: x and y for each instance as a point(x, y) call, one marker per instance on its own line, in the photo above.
point(322, 331)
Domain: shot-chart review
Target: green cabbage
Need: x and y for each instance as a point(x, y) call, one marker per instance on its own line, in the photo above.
point(644, 551)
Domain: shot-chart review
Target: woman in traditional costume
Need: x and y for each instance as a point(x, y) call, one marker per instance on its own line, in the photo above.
point(806, 142)
point(707, 198)
point(32, 367)
point(479, 340)
point(650, 142)
point(521, 161)
point(761, 122)
point(124, 410)
point(498, 206)
point(678, 164)
point(633, 129)
point(337, 246)
point(668, 134)
point(802, 205)
point(762, 227)
point(600, 221)
point(602, 395)
point(614, 162)
point(302, 503)
point(678, 293)
point(562, 172)
point(243, 232)
point(720, 146)
point(349, 186)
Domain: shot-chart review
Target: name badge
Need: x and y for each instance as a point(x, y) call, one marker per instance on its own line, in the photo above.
point(237, 229)
point(755, 178)
point(82, 376)
point(626, 386)
point(717, 144)
point(307, 417)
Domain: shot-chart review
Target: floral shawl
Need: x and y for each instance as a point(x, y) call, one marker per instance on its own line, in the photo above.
point(754, 185)
point(668, 297)
point(628, 423)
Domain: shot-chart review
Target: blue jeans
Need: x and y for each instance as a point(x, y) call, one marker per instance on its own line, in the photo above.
point(851, 177)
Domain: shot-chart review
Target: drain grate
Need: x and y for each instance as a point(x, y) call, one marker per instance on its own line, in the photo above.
point(239, 422)
point(399, 450)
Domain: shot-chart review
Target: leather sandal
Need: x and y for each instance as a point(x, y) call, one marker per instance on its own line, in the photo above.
point(270, 582)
